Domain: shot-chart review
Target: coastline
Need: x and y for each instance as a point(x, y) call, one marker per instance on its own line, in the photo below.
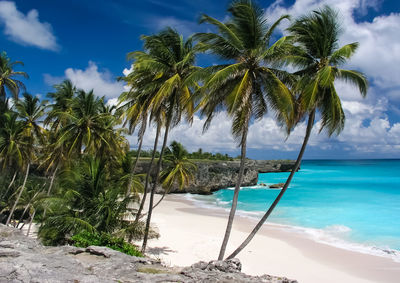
point(189, 233)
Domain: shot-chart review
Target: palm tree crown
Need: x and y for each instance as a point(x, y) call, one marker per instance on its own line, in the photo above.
point(7, 77)
point(319, 58)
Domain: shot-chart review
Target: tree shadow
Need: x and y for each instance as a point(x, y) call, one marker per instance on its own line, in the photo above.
point(159, 251)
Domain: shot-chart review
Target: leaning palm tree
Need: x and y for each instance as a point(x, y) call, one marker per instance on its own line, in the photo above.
point(7, 77)
point(319, 58)
point(166, 63)
point(249, 85)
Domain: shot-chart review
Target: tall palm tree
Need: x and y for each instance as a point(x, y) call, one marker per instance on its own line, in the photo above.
point(58, 117)
point(60, 108)
point(29, 110)
point(166, 63)
point(319, 58)
point(134, 113)
point(250, 83)
point(7, 77)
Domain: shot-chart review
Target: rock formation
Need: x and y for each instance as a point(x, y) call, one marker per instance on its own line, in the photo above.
point(24, 259)
point(215, 175)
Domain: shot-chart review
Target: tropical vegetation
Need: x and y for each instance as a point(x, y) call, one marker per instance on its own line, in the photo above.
point(66, 163)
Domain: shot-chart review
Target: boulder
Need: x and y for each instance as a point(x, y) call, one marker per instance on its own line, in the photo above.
point(276, 186)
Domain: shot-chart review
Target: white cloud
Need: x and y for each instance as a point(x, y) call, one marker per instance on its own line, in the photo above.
point(379, 52)
point(26, 29)
point(102, 82)
point(218, 136)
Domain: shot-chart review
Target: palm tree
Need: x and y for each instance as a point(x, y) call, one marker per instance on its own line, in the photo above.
point(7, 77)
point(318, 58)
point(179, 169)
point(248, 85)
point(165, 64)
point(13, 144)
point(58, 116)
point(135, 114)
point(90, 197)
point(86, 128)
point(29, 110)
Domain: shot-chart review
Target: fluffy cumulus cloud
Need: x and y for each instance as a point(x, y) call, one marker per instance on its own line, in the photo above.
point(101, 81)
point(217, 137)
point(368, 128)
point(26, 29)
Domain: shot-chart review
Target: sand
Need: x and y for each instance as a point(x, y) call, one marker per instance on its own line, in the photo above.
point(190, 234)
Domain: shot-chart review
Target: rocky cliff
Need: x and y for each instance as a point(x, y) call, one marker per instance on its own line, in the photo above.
point(24, 259)
point(215, 175)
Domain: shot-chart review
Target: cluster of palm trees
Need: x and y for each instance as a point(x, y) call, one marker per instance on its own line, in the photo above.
point(81, 143)
point(166, 84)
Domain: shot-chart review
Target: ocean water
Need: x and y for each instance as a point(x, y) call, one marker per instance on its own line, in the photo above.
point(353, 204)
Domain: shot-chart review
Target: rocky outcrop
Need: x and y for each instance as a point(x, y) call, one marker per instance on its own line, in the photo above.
point(23, 259)
point(277, 186)
point(215, 175)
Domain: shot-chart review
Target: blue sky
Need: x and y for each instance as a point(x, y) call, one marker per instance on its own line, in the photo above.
point(87, 42)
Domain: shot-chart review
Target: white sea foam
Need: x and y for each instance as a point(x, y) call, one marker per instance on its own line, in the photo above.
point(333, 235)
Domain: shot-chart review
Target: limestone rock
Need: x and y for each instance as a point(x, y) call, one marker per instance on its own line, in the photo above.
point(24, 259)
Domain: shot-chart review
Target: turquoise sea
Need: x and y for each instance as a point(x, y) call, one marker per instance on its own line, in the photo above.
point(354, 204)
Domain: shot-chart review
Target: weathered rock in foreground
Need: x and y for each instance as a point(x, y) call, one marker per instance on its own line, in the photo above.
point(215, 175)
point(23, 259)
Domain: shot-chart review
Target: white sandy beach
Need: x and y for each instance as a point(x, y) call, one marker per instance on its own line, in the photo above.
point(190, 234)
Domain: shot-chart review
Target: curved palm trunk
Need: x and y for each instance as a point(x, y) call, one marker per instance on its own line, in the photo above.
point(236, 193)
point(50, 187)
point(310, 123)
point(153, 189)
point(159, 201)
point(19, 195)
point(11, 183)
point(147, 177)
point(130, 185)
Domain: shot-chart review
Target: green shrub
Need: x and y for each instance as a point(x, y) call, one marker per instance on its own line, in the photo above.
point(85, 239)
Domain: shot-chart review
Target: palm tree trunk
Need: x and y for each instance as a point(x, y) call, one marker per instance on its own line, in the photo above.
point(159, 201)
point(11, 183)
point(30, 222)
point(12, 180)
point(23, 214)
point(148, 175)
point(236, 193)
point(130, 185)
point(50, 187)
point(19, 195)
point(153, 189)
point(310, 124)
